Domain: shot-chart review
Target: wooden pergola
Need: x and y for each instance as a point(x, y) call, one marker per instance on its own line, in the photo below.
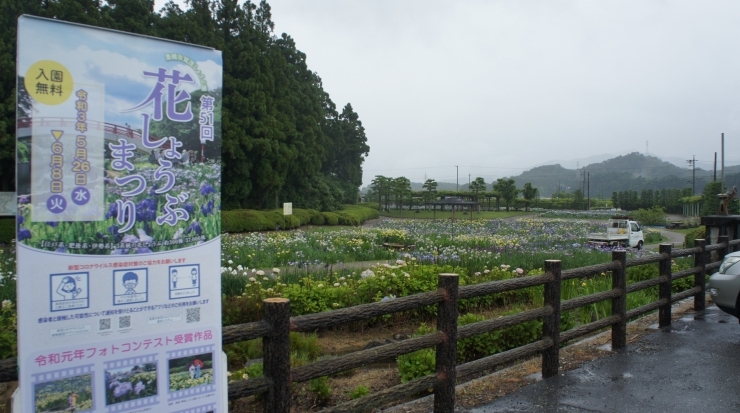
point(453, 203)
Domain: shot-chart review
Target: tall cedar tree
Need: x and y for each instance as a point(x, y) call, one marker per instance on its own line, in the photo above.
point(283, 140)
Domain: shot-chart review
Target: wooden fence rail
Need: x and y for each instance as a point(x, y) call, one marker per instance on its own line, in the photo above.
point(277, 324)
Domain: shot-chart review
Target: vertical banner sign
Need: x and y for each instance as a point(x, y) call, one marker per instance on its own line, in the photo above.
point(119, 221)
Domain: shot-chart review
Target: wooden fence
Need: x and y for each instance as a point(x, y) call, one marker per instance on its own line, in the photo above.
point(277, 324)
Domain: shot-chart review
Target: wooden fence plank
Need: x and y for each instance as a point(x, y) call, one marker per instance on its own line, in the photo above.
point(446, 354)
point(619, 303)
point(664, 289)
point(276, 355)
point(551, 323)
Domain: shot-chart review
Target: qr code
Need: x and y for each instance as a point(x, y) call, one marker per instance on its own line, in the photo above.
point(104, 324)
point(193, 315)
point(124, 321)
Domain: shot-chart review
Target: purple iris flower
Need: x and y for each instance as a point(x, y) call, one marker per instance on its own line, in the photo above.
point(154, 188)
point(24, 199)
point(206, 189)
point(24, 234)
point(52, 224)
point(20, 220)
point(189, 208)
point(146, 210)
point(112, 211)
point(207, 209)
point(194, 227)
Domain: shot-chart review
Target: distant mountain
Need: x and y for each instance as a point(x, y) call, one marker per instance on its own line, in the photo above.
point(579, 162)
point(632, 172)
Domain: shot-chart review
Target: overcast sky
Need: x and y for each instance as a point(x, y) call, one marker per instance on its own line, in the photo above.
point(497, 87)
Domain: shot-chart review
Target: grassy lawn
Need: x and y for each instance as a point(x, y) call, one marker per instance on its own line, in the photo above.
point(682, 231)
point(458, 214)
point(662, 239)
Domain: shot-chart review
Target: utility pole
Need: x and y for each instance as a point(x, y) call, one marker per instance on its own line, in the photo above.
point(468, 182)
point(457, 178)
point(723, 164)
point(692, 163)
point(587, 188)
point(715, 167)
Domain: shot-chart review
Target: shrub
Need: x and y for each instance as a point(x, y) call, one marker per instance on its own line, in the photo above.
point(244, 220)
point(697, 233)
point(371, 205)
point(348, 218)
point(652, 236)
point(321, 389)
point(317, 218)
point(652, 216)
point(7, 230)
point(360, 391)
point(331, 218)
point(419, 363)
point(8, 325)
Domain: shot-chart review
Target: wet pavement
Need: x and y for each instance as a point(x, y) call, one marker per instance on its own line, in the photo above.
point(691, 366)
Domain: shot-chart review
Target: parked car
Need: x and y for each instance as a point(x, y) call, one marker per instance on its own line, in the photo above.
point(724, 285)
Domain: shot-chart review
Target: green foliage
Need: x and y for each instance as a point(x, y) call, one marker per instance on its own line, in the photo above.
point(507, 190)
point(694, 234)
point(652, 236)
point(8, 330)
point(711, 202)
point(371, 205)
point(321, 390)
point(245, 220)
point(7, 230)
point(430, 189)
point(529, 193)
point(652, 216)
point(419, 363)
point(359, 391)
point(330, 218)
point(285, 141)
point(52, 396)
point(305, 344)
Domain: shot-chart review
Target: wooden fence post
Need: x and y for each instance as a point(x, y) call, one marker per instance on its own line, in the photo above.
point(551, 323)
point(446, 360)
point(723, 239)
point(276, 355)
point(619, 304)
point(664, 268)
point(700, 260)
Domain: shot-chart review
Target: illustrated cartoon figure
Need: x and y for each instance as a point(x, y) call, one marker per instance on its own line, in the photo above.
point(68, 288)
point(130, 281)
point(194, 276)
point(174, 279)
point(198, 364)
point(192, 371)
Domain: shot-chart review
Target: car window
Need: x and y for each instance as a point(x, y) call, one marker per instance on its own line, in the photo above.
point(634, 226)
point(728, 263)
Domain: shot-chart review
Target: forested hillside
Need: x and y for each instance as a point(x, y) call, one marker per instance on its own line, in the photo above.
point(284, 140)
point(631, 172)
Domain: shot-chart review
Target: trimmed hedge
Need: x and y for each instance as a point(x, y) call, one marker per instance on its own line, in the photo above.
point(7, 230)
point(246, 220)
point(696, 233)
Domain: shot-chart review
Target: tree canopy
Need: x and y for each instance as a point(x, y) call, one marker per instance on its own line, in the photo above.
point(506, 189)
point(283, 138)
